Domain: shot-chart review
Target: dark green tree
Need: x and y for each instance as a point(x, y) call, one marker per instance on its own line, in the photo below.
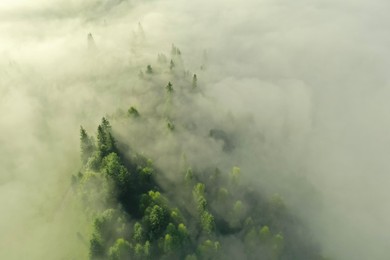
point(121, 250)
point(105, 124)
point(158, 219)
point(87, 145)
point(118, 173)
point(169, 87)
point(133, 112)
point(194, 81)
point(105, 140)
point(170, 125)
point(207, 222)
point(149, 69)
point(171, 65)
point(96, 248)
point(138, 234)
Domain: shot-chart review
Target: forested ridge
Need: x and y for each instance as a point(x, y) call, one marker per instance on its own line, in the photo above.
point(140, 211)
point(165, 129)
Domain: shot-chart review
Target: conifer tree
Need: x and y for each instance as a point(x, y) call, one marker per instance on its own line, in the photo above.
point(169, 87)
point(149, 69)
point(194, 81)
point(171, 65)
point(86, 145)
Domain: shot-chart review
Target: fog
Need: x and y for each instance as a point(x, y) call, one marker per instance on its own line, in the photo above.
point(306, 83)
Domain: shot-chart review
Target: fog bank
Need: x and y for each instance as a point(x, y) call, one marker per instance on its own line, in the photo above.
point(311, 78)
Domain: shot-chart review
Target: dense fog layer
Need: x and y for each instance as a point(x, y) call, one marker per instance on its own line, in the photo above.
point(307, 82)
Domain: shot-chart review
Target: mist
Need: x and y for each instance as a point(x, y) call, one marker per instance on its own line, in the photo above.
point(303, 86)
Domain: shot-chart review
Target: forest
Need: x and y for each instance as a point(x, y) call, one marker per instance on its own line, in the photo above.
point(166, 129)
point(138, 211)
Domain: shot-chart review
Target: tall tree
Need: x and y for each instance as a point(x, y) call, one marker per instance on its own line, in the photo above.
point(87, 145)
point(149, 69)
point(194, 81)
point(169, 87)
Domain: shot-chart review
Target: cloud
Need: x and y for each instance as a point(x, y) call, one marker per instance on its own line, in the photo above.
point(309, 78)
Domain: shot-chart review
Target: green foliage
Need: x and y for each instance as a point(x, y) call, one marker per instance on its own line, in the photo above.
point(157, 221)
point(265, 234)
point(201, 203)
point(121, 250)
point(145, 176)
point(105, 140)
point(207, 222)
point(222, 195)
point(101, 224)
point(149, 69)
point(278, 243)
point(87, 145)
point(198, 194)
point(138, 234)
point(189, 176)
point(235, 175)
point(105, 225)
point(156, 198)
point(105, 124)
point(191, 257)
point(209, 249)
point(114, 169)
point(96, 248)
point(168, 243)
point(183, 232)
point(147, 249)
point(177, 218)
point(251, 239)
point(239, 210)
point(277, 202)
point(133, 112)
point(238, 207)
point(171, 126)
point(194, 81)
point(102, 139)
point(198, 190)
point(171, 65)
point(139, 250)
point(94, 161)
point(169, 87)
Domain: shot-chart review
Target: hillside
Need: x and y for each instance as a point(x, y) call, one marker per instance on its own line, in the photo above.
point(180, 210)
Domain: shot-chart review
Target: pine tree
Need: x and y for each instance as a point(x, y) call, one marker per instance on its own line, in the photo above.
point(169, 87)
point(171, 65)
point(87, 146)
point(149, 69)
point(133, 112)
point(194, 81)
